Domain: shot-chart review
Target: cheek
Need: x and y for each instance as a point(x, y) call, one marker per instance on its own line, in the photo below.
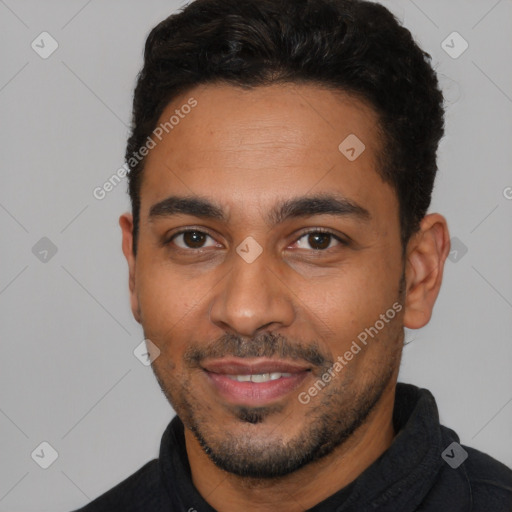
point(347, 302)
point(168, 303)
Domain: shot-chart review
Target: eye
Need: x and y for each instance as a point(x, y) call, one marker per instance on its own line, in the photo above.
point(318, 240)
point(192, 239)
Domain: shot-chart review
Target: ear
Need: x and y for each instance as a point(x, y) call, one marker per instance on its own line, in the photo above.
point(126, 223)
point(427, 251)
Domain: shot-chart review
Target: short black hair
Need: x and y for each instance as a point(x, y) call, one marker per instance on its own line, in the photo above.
point(354, 46)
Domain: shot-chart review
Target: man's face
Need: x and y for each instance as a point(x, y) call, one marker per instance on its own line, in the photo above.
point(253, 298)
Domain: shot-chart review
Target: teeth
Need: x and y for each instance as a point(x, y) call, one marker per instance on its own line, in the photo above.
point(259, 377)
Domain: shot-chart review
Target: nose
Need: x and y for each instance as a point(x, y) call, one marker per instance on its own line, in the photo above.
point(252, 298)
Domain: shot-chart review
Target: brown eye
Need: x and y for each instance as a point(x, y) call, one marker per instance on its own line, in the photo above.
point(318, 241)
point(192, 239)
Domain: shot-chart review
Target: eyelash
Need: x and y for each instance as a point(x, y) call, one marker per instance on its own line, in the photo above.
point(169, 240)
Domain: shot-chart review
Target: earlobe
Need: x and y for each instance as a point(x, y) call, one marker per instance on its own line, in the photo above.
point(426, 254)
point(126, 223)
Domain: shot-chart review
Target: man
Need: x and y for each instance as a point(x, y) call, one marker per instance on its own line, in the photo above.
point(282, 160)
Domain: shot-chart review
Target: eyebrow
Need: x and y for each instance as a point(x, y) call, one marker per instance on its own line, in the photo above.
point(299, 207)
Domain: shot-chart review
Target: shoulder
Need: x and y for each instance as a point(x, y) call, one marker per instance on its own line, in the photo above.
point(490, 481)
point(140, 491)
point(471, 482)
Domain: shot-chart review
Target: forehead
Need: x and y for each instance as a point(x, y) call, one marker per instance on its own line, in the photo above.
point(287, 118)
point(254, 146)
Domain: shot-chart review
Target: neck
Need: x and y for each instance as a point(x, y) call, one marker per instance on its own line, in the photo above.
point(306, 487)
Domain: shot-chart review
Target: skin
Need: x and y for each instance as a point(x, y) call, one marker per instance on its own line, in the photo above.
point(246, 151)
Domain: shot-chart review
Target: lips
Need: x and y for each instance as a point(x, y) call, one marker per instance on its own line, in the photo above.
point(254, 382)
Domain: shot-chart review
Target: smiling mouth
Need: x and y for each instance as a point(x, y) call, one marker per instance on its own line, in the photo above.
point(254, 382)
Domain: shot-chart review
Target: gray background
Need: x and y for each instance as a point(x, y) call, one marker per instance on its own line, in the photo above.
point(68, 375)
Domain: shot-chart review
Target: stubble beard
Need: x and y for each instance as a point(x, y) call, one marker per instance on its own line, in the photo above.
point(330, 420)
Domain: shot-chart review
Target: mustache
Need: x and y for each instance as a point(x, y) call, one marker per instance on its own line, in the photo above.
point(267, 344)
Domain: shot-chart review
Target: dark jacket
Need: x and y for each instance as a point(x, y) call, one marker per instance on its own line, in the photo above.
point(425, 470)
